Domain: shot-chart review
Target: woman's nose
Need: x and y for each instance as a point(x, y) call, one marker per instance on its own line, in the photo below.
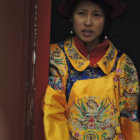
point(88, 20)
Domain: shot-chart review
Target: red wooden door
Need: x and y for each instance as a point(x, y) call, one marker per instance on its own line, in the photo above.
point(42, 62)
point(20, 104)
point(14, 38)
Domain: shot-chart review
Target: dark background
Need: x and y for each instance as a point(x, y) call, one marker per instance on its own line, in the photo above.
point(124, 32)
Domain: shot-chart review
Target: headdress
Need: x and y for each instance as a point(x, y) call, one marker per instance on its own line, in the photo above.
point(118, 8)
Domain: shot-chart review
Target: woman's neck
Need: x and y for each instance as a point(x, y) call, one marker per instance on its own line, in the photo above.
point(91, 45)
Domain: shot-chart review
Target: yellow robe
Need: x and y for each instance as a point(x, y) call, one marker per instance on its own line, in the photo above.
point(99, 106)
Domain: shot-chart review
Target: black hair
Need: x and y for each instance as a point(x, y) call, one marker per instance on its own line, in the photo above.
point(107, 9)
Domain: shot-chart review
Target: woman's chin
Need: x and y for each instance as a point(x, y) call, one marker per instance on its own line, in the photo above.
point(88, 40)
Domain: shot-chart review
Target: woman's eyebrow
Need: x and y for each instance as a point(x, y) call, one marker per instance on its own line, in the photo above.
point(82, 9)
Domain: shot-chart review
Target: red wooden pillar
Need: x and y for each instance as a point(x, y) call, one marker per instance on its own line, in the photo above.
point(42, 60)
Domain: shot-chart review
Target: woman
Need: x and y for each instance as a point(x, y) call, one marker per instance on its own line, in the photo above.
point(93, 87)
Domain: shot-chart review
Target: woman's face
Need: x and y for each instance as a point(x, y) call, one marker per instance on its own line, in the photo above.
point(88, 21)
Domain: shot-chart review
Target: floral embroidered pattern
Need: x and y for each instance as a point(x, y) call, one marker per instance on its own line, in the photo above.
point(54, 80)
point(110, 56)
point(130, 77)
point(128, 106)
point(57, 68)
point(93, 118)
point(57, 59)
point(126, 75)
point(73, 54)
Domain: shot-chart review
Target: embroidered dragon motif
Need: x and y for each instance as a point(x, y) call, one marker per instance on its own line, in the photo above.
point(93, 119)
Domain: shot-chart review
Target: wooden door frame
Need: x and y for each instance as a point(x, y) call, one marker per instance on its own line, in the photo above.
point(40, 19)
point(42, 63)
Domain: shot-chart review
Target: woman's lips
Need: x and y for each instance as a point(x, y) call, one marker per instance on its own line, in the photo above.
point(87, 33)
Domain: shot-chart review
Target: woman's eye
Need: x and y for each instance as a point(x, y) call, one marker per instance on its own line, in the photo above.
point(81, 13)
point(97, 14)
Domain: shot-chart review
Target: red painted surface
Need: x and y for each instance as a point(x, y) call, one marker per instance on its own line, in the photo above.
point(14, 46)
point(43, 40)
